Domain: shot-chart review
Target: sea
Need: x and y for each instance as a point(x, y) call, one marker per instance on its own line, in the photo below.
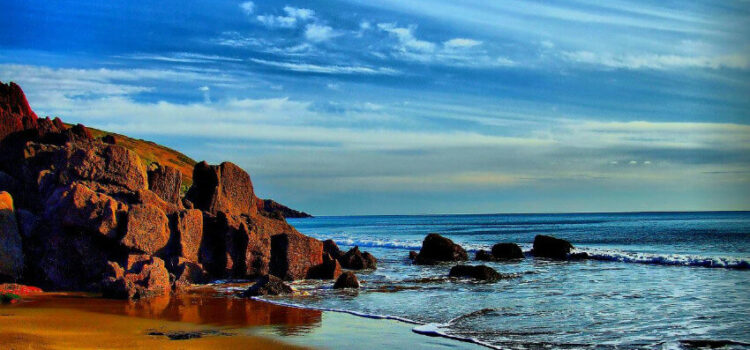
point(673, 280)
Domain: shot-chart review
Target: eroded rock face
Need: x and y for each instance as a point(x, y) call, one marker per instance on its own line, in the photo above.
point(144, 276)
point(331, 248)
point(78, 206)
point(293, 254)
point(222, 188)
point(329, 269)
point(165, 182)
point(436, 249)
point(11, 250)
point(507, 251)
point(268, 285)
point(105, 164)
point(15, 113)
point(479, 272)
point(551, 247)
point(347, 280)
point(356, 260)
point(189, 233)
point(147, 229)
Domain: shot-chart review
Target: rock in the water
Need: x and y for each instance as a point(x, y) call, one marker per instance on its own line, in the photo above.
point(356, 260)
point(479, 272)
point(578, 256)
point(413, 255)
point(551, 247)
point(224, 187)
point(436, 249)
point(330, 247)
point(507, 251)
point(189, 233)
point(347, 280)
point(11, 250)
point(293, 254)
point(147, 229)
point(483, 255)
point(143, 277)
point(166, 182)
point(268, 285)
point(328, 270)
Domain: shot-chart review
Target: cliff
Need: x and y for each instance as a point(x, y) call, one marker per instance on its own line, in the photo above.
point(88, 213)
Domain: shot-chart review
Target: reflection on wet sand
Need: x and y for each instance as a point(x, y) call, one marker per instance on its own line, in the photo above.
point(198, 307)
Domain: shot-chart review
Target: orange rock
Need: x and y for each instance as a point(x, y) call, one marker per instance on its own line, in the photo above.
point(147, 229)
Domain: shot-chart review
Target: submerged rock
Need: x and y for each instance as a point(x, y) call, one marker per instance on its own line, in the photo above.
point(436, 249)
point(507, 251)
point(551, 247)
point(347, 280)
point(268, 285)
point(479, 272)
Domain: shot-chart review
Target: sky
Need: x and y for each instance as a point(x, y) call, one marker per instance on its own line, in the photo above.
point(413, 107)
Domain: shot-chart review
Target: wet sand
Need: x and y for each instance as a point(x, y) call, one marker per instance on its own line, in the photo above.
point(206, 317)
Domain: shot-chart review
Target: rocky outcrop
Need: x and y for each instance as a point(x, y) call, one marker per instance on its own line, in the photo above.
point(88, 208)
point(413, 255)
point(268, 285)
point(331, 248)
point(479, 272)
point(356, 260)
point(11, 250)
point(271, 208)
point(483, 255)
point(347, 280)
point(551, 247)
point(436, 249)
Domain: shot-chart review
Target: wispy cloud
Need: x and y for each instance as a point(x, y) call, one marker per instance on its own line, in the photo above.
point(292, 16)
point(461, 43)
point(318, 33)
point(657, 61)
point(326, 69)
point(247, 7)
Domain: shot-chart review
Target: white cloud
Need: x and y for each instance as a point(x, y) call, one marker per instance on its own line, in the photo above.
point(331, 69)
point(290, 20)
point(406, 38)
point(303, 14)
point(248, 7)
point(461, 43)
point(657, 61)
point(319, 33)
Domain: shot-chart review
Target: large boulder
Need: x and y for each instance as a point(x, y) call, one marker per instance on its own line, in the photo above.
point(144, 276)
point(11, 250)
point(293, 254)
point(331, 248)
point(551, 247)
point(78, 206)
point(110, 167)
point(328, 270)
point(436, 249)
point(483, 255)
point(165, 182)
point(507, 251)
point(188, 273)
point(188, 234)
point(347, 280)
point(147, 229)
point(268, 285)
point(15, 113)
point(356, 260)
point(221, 188)
point(479, 272)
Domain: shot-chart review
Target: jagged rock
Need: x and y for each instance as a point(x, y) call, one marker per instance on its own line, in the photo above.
point(329, 269)
point(356, 260)
point(480, 272)
point(224, 187)
point(436, 248)
point(331, 248)
point(144, 276)
point(189, 233)
point(268, 285)
point(507, 251)
point(79, 133)
point(150, 198)
point(293, 254)
point(78, 206)
point(347, 280)
point(188, 273)
point(483, 255)
point(147, 229)
point(11, 250)
point(551, 247)
point(104, 164)
point(15, 113)
point(165, 182)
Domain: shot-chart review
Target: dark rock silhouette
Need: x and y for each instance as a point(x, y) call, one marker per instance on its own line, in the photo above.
point(329, 269)
point(356, 260)
point(479, 272)
point(347, 280)
point(507, 251)
point(551, 247)
point(11, 251)
point(268, 285)
point(436, 249)
point(271, 208)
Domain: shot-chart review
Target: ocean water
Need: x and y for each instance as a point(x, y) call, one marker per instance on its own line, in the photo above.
point(659, 281)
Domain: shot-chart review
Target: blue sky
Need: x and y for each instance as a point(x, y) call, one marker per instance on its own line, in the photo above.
point(406, 107)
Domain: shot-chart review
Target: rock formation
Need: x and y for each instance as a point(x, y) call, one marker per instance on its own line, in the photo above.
point(347, 280)
point(267, 285)
point(271, 208)
point(551, 247)
point(436, 249)
point(479, 272)
point(89, 215)
point(501, 252)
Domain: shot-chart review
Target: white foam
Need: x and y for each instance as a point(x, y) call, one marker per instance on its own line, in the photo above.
point(435, 330)
point(666, 259)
